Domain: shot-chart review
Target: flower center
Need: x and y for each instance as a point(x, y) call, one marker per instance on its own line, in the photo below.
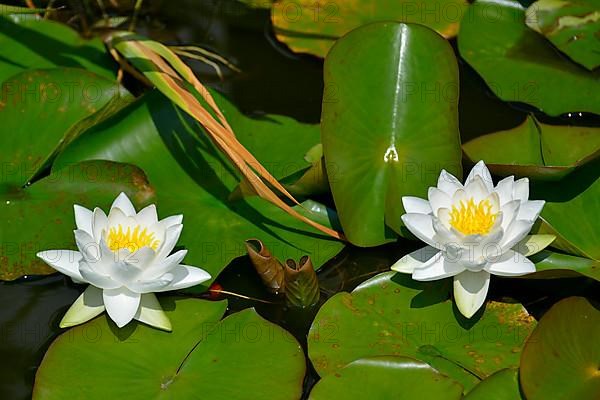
point(470, 218)
point(131, 240)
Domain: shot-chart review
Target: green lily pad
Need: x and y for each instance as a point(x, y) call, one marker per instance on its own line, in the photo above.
point(33, 43)
point(550, 265)
point(391, 314)
point(520, 65)
point(46, 108)
point(193, 178)
point(393, 126)
point(198, 359)
point(41, 217)
point(384, 378)
point(570, 210)
point(269, 138)
point(560, 359)
point(309, 26)
point(502, 385)
point(573, 26)
point(536, 150)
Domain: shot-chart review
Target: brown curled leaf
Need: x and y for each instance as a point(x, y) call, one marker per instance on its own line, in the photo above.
point(268, 267)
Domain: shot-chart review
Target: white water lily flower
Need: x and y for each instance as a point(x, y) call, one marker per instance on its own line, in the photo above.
point(473, 230)
point(125, 257)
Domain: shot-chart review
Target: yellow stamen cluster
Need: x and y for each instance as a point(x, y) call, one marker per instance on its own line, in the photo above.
point(131, 240)
point(472, 218)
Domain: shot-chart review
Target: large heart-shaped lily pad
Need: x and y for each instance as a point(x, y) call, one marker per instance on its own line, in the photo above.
point(502, 385)
point(202, 358)
point(41, 111)
point(384, 378)
point(560, 359)
point(393, 125)
point(309, 26)
point(391, 314)
point(536, 150)
point(34, 43)
point(193, 178)
point(41, 217)
point(520, 65)
point(571, 25)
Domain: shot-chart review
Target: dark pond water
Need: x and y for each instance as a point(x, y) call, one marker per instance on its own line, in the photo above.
point(273, 80)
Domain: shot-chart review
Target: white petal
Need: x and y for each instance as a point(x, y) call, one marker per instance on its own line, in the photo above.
point(448, 183)
point(476, 189)
point(459, 195)
point(494, 200)
point(124, 272)
point(170, 221)
point(121, 305)
point(510, 211)
point(415, 205)
point(470, 291)
point(530, 210)
point(438, 199)
point(143, 258)
point(97, 279)
point(533, 244)
point(511, 263)
point(150, 312)
point(123, 203)
point(160, 268)
point(504, 188)
point(64, 261)
point(421, 226)
point(117, 217)
point(83, 218)
point(444, 233)
point(87, 306)
point(171, 237)
point(413, 260)
point(90, 250)
point(482, 171)
point(185, 276)
point(515, 233)
point(155, 285)
point(437, 268)
point(521, 189)
point(147, 216)
point(99, 223)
